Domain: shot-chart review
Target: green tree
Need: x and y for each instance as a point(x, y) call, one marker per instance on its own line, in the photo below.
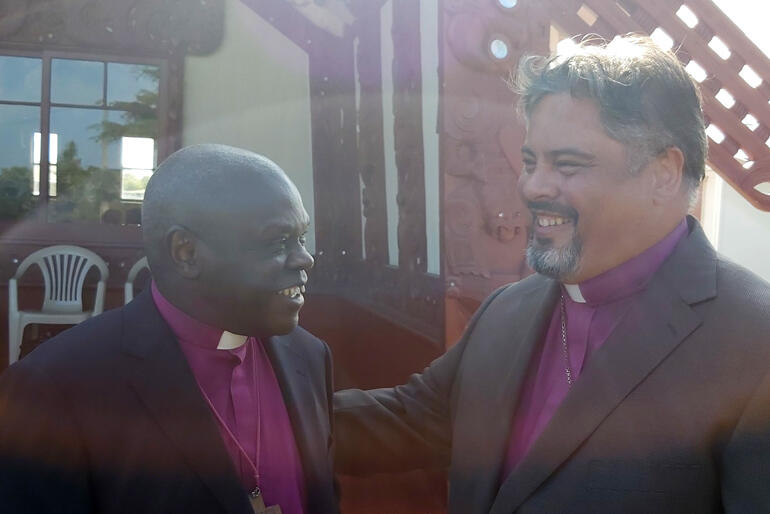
point(81, 191)
point(16, 198)
point(140, 117)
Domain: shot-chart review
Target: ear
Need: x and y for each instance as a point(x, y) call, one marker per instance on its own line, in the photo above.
point(182, 246)
point(668, 175)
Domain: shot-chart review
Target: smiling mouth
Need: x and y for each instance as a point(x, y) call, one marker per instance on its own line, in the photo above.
point(292, 292)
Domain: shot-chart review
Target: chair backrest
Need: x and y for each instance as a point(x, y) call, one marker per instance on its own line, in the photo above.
point(64, 269)
point(128, 288)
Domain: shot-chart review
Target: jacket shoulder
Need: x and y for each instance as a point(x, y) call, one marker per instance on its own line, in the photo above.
point(307, 343)
point(745, 292)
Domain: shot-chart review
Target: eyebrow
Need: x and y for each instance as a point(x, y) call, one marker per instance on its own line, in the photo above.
point(571, 152)
point(284, 228)
point(561, 152)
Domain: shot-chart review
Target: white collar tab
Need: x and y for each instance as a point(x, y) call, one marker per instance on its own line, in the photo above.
point(230, 341)
point(573, 290)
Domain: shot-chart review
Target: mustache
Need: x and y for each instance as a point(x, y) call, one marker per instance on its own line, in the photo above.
point(556, 208)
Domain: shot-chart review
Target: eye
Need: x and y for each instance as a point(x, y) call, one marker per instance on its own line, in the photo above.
point(302, 239)
point(569, 167)
point(529, 165)
point(279, 245)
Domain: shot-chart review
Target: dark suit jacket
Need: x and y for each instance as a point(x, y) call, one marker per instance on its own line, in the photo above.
point(671, 415)
point(107, 418)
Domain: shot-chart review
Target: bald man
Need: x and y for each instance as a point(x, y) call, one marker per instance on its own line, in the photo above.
point(200, 396)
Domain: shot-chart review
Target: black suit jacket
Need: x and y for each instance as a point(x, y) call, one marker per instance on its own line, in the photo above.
point(671, 415)
point(107, 418)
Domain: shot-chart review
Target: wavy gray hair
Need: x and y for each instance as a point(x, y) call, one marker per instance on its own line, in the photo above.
point(647, 101)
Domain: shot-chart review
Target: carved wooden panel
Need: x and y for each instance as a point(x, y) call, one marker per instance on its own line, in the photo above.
point(371, 152)
point(146, 27)
point(485, 222)
point(407, 135)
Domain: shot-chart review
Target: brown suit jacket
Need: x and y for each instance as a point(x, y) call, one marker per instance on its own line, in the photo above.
point(671, 415)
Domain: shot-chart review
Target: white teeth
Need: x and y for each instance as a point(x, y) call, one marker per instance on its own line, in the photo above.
point(291, 292)
point(549, 221)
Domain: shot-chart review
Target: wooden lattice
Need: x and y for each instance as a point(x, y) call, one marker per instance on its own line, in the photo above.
point(734, 75)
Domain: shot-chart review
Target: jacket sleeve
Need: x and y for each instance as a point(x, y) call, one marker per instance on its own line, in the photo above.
point(405, 427)
point(746, 461)
point(42, 462)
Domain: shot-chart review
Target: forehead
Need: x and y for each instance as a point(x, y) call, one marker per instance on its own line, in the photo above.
point(560, 120)
point(275, 207)
point(257, 208)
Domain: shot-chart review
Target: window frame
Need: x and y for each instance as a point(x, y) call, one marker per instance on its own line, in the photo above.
point(37, 227)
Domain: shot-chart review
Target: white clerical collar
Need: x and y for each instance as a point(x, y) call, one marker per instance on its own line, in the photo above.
point(230, 341)
point(573, 290)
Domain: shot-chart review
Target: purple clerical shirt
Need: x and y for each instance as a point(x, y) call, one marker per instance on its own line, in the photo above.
point(594, 308)
point(242, 389)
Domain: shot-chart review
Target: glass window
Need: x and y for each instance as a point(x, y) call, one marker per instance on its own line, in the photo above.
point(102, 138)
point(53, 152)
point(132, 83)
point(20, 79)
point(20, 90)
point(87, 167)
point(18, 125)
point(137, 159)
point(77, 82)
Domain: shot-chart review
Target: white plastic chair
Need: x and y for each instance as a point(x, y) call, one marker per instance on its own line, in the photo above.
point(128, 288)
point(64, 269)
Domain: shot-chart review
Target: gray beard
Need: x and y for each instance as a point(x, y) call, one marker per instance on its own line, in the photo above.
point(557, 263)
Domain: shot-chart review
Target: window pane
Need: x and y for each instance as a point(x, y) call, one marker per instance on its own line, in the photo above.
point(77, 82)
point(89, 130)
point(104, 160)
point(88, 165)
point(132, 83)
point(137, 160)
point(53, 155)
point(133, 183)
point(20, 79)
point(18, 125)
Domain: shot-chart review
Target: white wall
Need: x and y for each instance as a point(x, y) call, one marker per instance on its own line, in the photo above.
point(429, 12)
point(253, 92)
point(744, 233)
point(391, 172)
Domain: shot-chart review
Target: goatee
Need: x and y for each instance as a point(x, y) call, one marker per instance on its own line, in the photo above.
point(557, 263)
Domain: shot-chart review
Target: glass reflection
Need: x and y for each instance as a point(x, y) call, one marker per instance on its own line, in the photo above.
point(77, 82)
point(132, 83)
point(20, 79)
point(18, 124)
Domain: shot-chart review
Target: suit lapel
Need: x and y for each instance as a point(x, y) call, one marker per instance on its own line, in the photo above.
point(655, 324)
point(162, 379)
point(496, 365)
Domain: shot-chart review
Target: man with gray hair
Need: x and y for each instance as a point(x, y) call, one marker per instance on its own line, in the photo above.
point(200, 396)
point(630, 373)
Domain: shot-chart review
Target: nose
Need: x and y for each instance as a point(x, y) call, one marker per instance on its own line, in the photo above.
point(540, 184)
point(300, 258)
